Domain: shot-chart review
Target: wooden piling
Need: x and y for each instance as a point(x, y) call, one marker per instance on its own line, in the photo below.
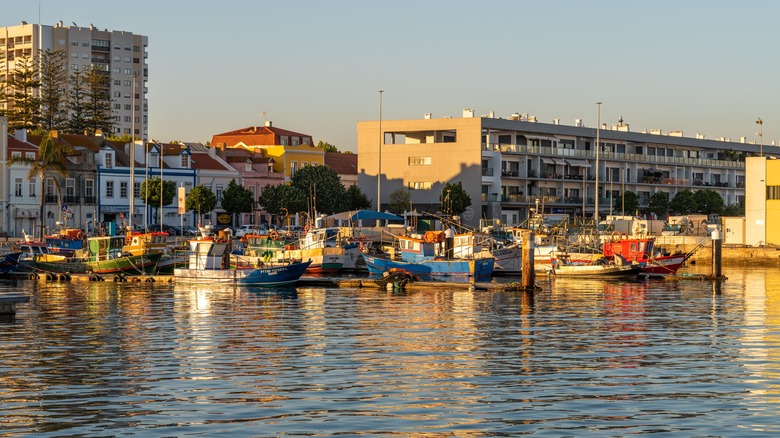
point(717, 265)
point(527, 269)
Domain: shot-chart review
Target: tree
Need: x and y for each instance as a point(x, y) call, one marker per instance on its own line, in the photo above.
point(50, 160)
point(683, 202)
point(77, 94)
point(54, 81)
point(708, 201)
point(201, 200)
point(631, 204)
point(737, 209)
point(659, 204)
point(150, 193)
point(400, 201)
point(323, 186)
point(327, 147)
point(454, 200)
point(97, 105)
point(236, 199)
point(23, 105)
point(356, 199)
point(282, 198)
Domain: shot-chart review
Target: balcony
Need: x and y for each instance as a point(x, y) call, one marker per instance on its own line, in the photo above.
point(90, 200)
point(71, 199)
point(50, 199)
point(487, 171)
point(514, 173)
point(489, 197)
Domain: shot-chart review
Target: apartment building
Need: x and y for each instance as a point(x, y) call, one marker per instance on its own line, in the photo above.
point(122, 55)
point(512, 165)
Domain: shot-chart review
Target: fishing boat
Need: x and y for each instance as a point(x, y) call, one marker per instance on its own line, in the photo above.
point(507, 255)
point(209, 261)
point(9, 261)
point(418, 256)
point(642, 251)
point(138, 243)
point(66, 241)
point(321, 246)
point(601, 268)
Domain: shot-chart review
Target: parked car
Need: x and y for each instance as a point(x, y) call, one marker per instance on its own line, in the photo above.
point(243, 230)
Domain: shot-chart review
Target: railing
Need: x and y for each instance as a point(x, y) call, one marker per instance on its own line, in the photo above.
point(591, 155)
point(90, 200)
point(487, 171)
point(489, 197)
point(70, 199)
point(50, 199)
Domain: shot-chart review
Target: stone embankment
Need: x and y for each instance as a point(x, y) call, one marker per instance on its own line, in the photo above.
point(731, 254)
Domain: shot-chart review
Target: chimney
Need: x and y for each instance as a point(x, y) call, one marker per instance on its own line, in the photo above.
point(54, 133)
point(268, 123)
point(19, 134)
point(98, 133)
point(223, 146)
point(468, 113)
point(427, 116)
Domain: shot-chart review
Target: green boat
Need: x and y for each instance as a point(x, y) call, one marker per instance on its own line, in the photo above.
point(104, 256)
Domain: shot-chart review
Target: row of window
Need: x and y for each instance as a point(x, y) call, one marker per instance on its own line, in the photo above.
point(25, 39)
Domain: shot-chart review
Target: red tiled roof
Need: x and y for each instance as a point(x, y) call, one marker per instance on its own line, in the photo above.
point(16, 145)
point(202, 160)
point(342, 164)
point(255, 136)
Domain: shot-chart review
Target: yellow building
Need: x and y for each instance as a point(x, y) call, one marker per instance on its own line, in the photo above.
point(290, 150)
point(762, 201)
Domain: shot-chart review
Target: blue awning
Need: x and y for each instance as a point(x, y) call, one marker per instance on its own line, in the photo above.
point(369, 214)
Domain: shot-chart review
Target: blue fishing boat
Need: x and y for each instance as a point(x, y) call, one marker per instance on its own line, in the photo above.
point(418, 257)
point(9, 262)
point(209, 262)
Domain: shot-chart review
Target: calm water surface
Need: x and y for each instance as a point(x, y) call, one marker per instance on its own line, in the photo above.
point(579, 358)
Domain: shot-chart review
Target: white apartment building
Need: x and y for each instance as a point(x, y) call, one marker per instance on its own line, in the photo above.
point(121, 54)
point(512, 165)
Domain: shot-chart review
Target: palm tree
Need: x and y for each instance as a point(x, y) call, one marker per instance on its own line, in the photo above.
point(50, 160)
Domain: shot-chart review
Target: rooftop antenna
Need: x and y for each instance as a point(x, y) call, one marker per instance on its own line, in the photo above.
point(262, 114)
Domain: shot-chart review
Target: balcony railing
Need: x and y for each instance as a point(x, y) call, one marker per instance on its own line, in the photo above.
point(90, 200)
point(50, 199)
point(487, 171)
point(70, 199)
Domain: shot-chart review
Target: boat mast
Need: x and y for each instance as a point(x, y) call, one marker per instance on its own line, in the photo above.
point(598, 146)
point(132, 164)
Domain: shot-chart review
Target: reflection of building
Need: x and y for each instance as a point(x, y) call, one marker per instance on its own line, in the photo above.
point(506, 165)
point(762, 205)
point(121, 55)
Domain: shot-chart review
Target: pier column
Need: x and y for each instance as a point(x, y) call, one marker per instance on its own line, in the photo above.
point(717, 272)
point(527, 259)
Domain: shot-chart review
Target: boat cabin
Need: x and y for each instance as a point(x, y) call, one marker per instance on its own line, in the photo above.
point(631, 249)
point(209, 254)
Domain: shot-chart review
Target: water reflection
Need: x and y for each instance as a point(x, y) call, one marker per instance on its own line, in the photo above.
point(574, 358)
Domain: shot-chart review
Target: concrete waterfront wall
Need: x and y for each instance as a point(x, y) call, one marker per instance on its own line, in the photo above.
point(731, 254)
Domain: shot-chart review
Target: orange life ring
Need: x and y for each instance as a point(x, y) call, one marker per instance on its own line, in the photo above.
point(616, 236)
point(80, 235)
point(274, 235)
point(128, 240)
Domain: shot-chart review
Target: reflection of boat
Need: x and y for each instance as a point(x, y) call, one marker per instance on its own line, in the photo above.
point(598, 269)
point(418, 257)
point(209, 261)
point(642, 251)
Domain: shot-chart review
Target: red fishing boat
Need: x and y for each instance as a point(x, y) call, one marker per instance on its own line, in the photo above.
point(642, 250)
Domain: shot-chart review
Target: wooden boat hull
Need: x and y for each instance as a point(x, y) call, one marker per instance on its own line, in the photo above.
point(663, 265)
point(266, 276)
point(480, 269)
point(133, 265)
point(597, 271)
point(9, 262)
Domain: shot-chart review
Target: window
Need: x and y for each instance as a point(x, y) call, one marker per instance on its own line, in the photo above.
point(293, 167)
point(219, 192)
point(117, 106)
point(117, 94)
point(185, 161)
point(29, 155)
point(283, 140)
point(74, 54)
point(89, 188)
point(85, 44)
point(117, 70)
point(248, 165)
point(109, 160)
point(419, 161)
point(74, 43)
point(74, 67)
point(31, 188)
point(18, 187)
point(70, 187)
point(16, 154)
point(109, 189)
point(137, 190)
point(50, 190)
point(295, 141)
point(126, 71)
point(417, 185)
point(123, 189)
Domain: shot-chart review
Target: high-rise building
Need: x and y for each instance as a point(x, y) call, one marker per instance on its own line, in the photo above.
point(121, 54)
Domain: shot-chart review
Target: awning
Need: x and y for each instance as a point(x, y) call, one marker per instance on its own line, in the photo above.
point(548, 160)
point(560, 161)
point(578, 163)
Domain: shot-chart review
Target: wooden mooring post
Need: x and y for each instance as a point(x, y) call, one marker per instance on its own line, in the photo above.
point(527, 269)
point(717, 255)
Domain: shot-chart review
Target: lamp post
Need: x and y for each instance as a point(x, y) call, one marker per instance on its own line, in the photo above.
point(598, 146)
point(760, 133)
point(379, 169)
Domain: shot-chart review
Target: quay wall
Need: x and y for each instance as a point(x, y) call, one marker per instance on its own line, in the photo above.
point(731, 254)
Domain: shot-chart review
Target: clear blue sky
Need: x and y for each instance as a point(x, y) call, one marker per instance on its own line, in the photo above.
point(707, 66)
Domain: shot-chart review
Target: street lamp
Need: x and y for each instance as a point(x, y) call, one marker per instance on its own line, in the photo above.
point(379, 169)
point(598, 146)
point(760, 133)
